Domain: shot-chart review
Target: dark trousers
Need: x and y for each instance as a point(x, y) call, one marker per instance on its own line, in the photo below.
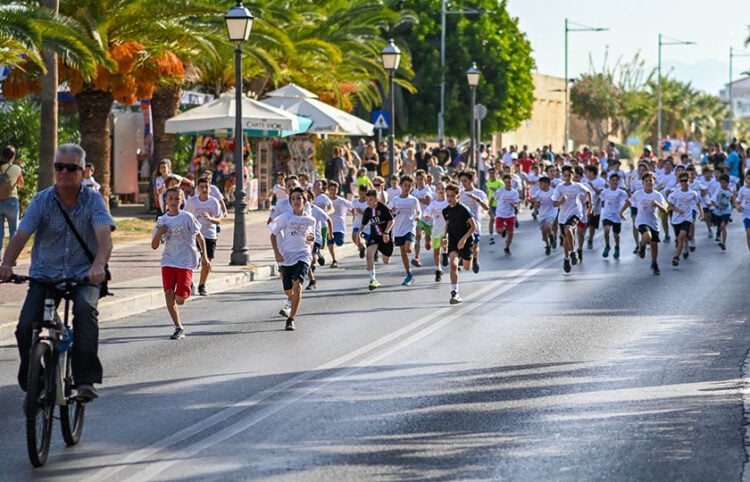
point(87, 368)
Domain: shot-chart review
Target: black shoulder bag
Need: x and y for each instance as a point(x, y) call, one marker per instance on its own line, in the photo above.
point(103, 288)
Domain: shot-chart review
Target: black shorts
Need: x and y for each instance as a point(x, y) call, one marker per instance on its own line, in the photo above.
point(616, 227)
point(402, 240)
point(683, 226)
point(642, 228)
point(717, 219)
point(594, 221)
point(385, 248)
point(466, 253)
point(295, 272)
point(210, 247)
point(572, 222)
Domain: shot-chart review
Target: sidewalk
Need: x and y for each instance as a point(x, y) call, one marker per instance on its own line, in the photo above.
point(136, 274)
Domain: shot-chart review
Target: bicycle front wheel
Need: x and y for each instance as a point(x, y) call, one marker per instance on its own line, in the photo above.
point(71, 414)
point(40, 403)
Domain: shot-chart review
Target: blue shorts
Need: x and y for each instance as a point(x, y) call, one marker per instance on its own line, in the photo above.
point(493, 210)
point(633, 211)
point(746, 222)
point(401, 240)
point(296, 272)
point(476, 239)
point(338, 239)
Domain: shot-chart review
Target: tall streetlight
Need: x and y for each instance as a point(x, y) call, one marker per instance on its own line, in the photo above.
point(472, 77)
point(732, 55)
point(577, 27)
point(239, 21)
point(391, 56)
point(669, 41)
point(443, 13)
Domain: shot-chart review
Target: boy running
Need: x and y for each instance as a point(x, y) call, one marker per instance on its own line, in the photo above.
point(492, 184)
point(507, 200)
point(648, 201)
point(180, 232)
point(207, 210)
point(434, 213)
point(341, 207)
point(406, 213)
point(474, 199)
point(722, 201)
point(612, 200)
point(567, 197)
point(423, 193)
point(378, 218)
point(458, 238)
point(546, 214)
point(682, 202)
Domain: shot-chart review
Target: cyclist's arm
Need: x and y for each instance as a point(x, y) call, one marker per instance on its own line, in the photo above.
point(11, 253)
point(103, 251)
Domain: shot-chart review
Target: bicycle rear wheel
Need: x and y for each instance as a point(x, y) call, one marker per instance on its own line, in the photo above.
point(71, 414)
point(40, 404)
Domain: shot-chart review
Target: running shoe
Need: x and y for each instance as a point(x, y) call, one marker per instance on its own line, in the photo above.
point(580, 255)
point(286, 310)
point(547, 250)
point(506, 251)
point(616, 254)
point(553, 241)
point(178, 334)
point(416, 262)
point(408, 281)
point(573, 258)
point(374, 284)
point(590, 244)
point(444, 259)
point(334, 264)
point(676, 261)
point(438, 276)
point(605, 252)
point(667, 239)
point(566, 265)
point(455, 298)
point(685, 254)
point(635, 250)
point(361, 252)
point(722, 246)
point(641, 250)
point(503, 234)
point(202, 290)
point(475, 264)
point(290, 324)
point(321, 259)
point(492, 240)
point(655, 269)
point(517, 224)
point(311, 285)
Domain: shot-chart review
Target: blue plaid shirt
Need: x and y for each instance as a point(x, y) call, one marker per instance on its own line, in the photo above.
point(56, 253)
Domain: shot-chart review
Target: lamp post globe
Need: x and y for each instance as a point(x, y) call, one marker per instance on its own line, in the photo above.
point(391, 56)
point(472, 77)
point(239, 21)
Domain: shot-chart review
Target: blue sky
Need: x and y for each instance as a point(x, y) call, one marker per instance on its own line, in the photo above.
point(634, 26)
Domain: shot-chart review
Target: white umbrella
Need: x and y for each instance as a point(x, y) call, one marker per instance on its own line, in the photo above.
point(258, 119)
point(326, 119)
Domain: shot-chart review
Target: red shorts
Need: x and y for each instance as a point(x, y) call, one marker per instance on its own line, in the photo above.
point(582, 225)
point(177, 279)
point(505, 223)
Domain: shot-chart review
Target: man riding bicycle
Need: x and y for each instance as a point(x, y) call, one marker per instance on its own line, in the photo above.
point(57, 254)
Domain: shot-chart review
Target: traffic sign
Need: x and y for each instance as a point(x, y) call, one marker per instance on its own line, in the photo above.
point(480, 111)
point(381, 119)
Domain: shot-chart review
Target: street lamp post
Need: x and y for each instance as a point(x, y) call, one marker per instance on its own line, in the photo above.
point(732, 55)
point(239, 21)
point(670, 41)
point(577, 28)
point(391, 56)
point(472, 77)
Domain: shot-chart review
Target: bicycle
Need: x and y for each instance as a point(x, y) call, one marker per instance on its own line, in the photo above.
point(50, 377)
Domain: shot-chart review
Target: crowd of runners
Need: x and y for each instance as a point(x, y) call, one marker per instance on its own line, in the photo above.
point(569, 196)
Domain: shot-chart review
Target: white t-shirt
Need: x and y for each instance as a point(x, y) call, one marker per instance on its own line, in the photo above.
point(435, 211)
point(215, 193)
point(647, 212)
point(572, 206)
point(686, 201)
point(722, 197)
point(596, 184)
point(280, 193)
point(341, 208)
point(357, 220)
point(321, 219)
point(473, 205)
point(291, 233)
point(392, 192)
point(323, 202)
point(743, 197)
point(533, 182)
point(612, 201)
point(547, 211)
point(505, 202)
point(422, 194)
point(666, 182)
point(197, 208)
point(180, 250)
point(406, 212)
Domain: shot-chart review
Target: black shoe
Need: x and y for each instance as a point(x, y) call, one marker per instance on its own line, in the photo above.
point(676, 261)
point(553, 241)
point(566, 265)
point(178, 334)
point(334, 264)
point(202, 290)
point(492, 240)
point(361, 252)
point(580, 255)
point(722, 246)
point(655, 269)
point(455, 298)
point(290, 324)
point(438, 276)
point(475, 265)
point(590, 244)
point(503, 234)
point(547, 250)
point(85, 393)
point(444, 259)
point(321, 260)
point(641, 250)
point(573, 258)
point(311, 285)
point(685, 255)
point(635, 250)
point(506, 251)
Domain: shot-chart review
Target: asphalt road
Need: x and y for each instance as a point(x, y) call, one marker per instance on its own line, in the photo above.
point(604, 373)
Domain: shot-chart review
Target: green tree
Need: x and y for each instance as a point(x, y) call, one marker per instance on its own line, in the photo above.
point(493, 40)
point(596, 99)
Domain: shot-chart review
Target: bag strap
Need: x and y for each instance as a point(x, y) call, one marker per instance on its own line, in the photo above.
point(10, 164)
point(86, 249)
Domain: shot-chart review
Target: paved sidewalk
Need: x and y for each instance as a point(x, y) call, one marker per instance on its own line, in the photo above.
point(136, 274)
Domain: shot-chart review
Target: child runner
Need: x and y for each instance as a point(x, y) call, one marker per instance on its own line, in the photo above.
point(682, 202)
point(596, 184)
point(434, 213)
point(423, 193)
point(207, 211)
point(292, 237)
point(359, 204)
point(474, 199)
point(180, 233)
point(492, 184)
point(567, 197)
point(722, 202)
point(321, 219)
point(406, 213)
point(341, 208)
point(743, 205)
point(507, 200)
point(458, 237)
point(648, 201)
point(612, 200)
point(379, 220)
point(546, 214)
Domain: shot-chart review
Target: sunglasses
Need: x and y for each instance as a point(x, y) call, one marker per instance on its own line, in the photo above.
point(683, 180)
point(68, 167)
point(377, 185)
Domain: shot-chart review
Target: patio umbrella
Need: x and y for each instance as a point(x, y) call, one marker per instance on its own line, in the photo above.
point(258, 119)
point(326, 119)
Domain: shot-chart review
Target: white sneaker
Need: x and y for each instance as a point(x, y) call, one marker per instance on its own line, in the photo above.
point(286, 310)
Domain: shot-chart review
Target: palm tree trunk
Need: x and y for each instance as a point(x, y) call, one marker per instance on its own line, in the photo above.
point(165, 104)
point(48, 129)
point(94, 108)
